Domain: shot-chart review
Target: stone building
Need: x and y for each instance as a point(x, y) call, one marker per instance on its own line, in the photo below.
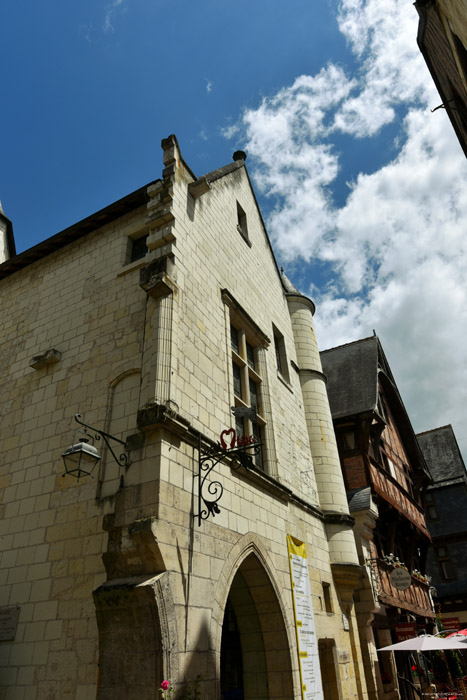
point(164, 322)
point(7, 242)
point(385, 476)
point(442, 39)
point(446, 511)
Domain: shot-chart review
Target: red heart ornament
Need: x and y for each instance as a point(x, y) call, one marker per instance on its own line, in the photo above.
point(231, 432)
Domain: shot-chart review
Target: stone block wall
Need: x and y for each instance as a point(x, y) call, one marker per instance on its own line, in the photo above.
point(155, 362)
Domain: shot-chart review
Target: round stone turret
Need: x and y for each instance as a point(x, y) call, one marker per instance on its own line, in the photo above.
point(328, 472)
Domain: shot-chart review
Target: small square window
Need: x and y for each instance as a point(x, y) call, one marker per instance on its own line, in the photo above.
point(327, 597)
point(349, 440)
point(242, 225)
point(250, 355)
point(239, 427)
point(278, 354)
point(237, 380)
point(448, 572)
point(139, 248)
point(253, 395)
point(431, 509)
point(281, 355)
point(234, 339)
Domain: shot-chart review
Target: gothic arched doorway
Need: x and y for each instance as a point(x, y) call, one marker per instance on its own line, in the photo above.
point(255, 654)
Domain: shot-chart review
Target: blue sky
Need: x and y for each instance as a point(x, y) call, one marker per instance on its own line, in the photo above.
point(362, 186)
point(91, 88)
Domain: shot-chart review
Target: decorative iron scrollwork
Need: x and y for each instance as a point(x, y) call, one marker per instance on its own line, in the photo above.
point(210, 492)
point(123, 460)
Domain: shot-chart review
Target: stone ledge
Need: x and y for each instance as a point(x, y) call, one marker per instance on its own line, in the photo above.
point(331, 518)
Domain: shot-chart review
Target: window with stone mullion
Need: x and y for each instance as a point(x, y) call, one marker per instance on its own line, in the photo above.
point(247, 385)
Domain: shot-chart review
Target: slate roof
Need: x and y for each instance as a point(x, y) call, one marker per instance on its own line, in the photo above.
point(442, 455)
point(352, 377)
point(73, 233)
point(287, 284)
point(359, 499)
point(353, 373)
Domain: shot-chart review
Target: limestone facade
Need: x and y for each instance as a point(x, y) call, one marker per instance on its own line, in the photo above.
point(120, 581)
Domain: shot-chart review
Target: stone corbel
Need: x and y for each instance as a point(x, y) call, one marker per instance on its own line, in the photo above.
point(155, 278)
point(155, 415)
point(45, 359)
point(347, 578)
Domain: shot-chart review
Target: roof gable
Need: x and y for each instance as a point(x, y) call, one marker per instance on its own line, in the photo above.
point(352, 377)
point(442, 455)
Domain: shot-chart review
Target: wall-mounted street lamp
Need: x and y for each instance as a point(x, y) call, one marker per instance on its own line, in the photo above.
point(81, 457)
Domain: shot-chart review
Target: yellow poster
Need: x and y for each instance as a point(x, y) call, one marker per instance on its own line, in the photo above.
point(307, 643)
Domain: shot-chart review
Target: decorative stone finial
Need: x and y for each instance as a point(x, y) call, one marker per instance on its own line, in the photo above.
point(239, 155)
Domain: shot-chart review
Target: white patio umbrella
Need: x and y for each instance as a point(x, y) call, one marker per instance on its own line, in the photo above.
point(426, 642)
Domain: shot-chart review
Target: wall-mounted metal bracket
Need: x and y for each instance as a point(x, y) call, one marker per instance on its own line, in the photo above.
point(445, 105)
point(210, 492)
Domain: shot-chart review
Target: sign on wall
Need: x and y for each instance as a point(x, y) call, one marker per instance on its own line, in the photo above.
point(401, 579)
point(308, 655)
point(451, 624)
point(8, 623)
point(404, 630)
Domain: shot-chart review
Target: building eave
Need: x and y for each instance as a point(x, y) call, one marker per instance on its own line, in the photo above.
point(73, 233)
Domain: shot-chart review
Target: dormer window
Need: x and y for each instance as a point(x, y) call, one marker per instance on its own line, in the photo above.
point(349, 440)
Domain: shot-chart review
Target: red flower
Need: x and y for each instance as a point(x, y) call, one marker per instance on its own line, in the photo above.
point(165, 685)
point(414, 668)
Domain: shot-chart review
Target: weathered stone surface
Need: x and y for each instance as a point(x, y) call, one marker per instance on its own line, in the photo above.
point(124, 571)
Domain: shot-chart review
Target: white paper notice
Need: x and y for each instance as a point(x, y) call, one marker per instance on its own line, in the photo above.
point(308, 654)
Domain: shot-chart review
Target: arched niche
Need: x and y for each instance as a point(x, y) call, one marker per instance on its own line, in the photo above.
point(138, 645)
point(122, 407)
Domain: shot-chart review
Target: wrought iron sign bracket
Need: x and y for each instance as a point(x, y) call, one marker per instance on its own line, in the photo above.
point(81, 456)
point(210, 492)
point(122, 460)
point(372, 563)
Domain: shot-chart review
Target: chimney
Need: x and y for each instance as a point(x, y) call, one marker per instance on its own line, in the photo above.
point(7, 242)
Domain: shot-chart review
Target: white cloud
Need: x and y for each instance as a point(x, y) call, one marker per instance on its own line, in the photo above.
point(397, 245)
point(209, 85)
point(87, 32)
point(383, 37)
point(108, 25)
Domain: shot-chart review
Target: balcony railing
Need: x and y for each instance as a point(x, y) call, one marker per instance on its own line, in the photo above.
point(415, 598)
